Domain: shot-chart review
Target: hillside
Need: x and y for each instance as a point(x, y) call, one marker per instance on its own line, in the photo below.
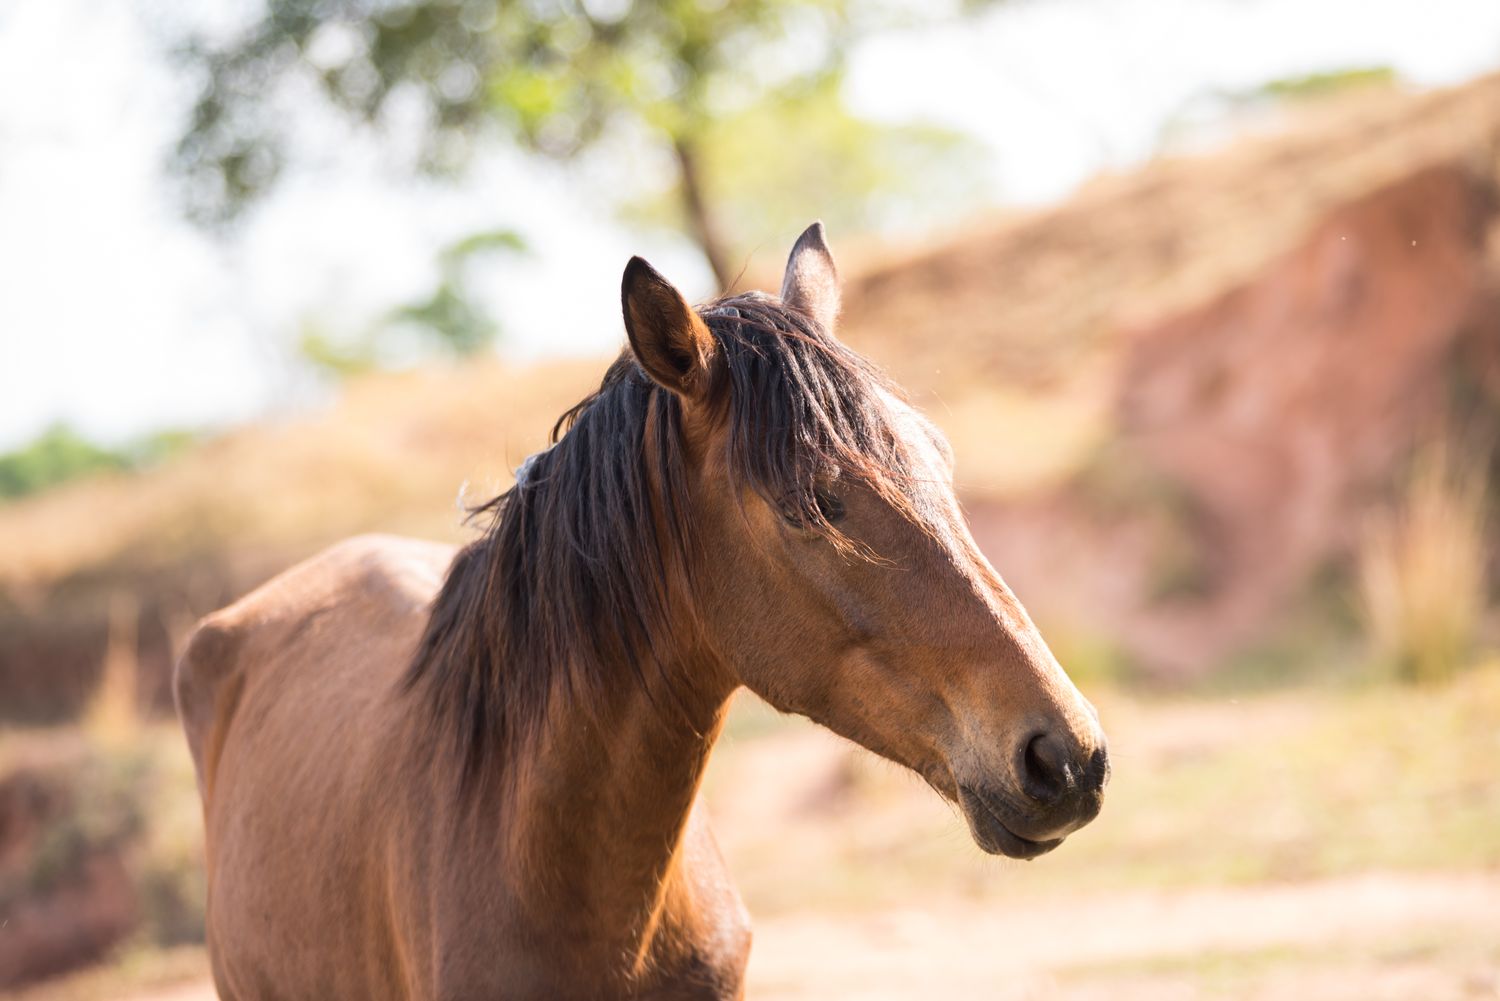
point(1212, 367)
point(144, 556)
point(1030, 298)
point(1191, 373)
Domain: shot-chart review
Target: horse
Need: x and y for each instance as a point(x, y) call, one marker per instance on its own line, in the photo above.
point(430, 774)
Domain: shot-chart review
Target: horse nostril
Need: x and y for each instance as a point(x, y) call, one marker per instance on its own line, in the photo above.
point(1098, 770)
point(1044, 769)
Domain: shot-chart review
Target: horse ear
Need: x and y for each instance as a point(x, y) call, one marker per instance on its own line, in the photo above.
point(670, 341)
point(812, 282)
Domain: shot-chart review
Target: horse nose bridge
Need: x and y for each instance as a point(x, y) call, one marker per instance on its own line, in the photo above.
point(1080, 721)
point(1056, 706)
point(1017, 686)
point(1074, 717)
point(1010, 691)
point(1054, 744)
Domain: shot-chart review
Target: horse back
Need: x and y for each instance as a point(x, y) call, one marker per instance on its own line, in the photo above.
point(392, 579)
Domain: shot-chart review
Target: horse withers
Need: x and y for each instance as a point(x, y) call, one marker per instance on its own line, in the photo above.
point(428, 774)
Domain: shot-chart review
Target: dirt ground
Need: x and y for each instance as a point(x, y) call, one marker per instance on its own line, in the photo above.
point(1371, 937)
point(1368, 938)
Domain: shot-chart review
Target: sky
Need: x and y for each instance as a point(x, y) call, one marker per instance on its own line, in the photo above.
point(119, 318)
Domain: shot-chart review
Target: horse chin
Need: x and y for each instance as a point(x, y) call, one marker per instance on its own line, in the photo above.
point(992, 835)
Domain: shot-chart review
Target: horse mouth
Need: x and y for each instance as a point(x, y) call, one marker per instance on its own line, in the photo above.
point(992, 834)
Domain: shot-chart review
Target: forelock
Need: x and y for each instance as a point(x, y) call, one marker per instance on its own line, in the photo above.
point(797, 401)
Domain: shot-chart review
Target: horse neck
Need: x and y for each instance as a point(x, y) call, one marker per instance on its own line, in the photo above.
point(596, 814)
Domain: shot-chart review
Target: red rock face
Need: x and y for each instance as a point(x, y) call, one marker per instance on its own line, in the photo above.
point(1272, 411)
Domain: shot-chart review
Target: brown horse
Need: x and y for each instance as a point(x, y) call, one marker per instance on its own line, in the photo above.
point(484, 783)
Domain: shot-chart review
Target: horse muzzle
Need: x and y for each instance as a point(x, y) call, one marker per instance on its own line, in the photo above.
point(1049, 795)
point(988, 824)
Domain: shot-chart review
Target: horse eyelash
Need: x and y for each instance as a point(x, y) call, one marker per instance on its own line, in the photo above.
point(830, 508)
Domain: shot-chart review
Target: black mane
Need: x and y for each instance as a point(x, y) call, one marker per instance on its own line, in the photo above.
point(575, 574)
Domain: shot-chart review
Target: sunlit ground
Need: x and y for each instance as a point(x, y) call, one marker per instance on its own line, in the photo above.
point(1328, 844)
point(1311, 843)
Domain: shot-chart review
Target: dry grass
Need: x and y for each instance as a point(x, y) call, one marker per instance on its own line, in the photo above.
point(113, 717)
point(391, 454)
point(1422, 568)
point(136, 971)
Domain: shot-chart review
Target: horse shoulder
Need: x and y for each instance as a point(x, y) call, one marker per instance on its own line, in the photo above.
point(206, 686)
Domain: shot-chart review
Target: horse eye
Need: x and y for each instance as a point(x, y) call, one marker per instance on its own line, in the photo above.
point(829, 506)
point(830, 509)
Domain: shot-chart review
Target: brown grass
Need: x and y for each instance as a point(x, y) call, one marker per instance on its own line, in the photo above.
point(1422, 568)
point(391, 454)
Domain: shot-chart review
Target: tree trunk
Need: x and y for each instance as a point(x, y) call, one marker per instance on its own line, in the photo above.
point(700, 218)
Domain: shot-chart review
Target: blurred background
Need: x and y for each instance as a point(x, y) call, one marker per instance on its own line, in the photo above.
point(1206, 294)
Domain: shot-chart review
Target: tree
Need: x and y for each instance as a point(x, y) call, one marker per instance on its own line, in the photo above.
point(556, 75)
point(769, 163)
point(448, 318)
point(60, 454)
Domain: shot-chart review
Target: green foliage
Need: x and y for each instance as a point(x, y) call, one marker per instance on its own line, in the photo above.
point(333, 356)
point(452, 318)
point(483, 242)
point(556, 76)
point(449, 315)
point(767, 165)
point(447, 319)
point(60, 454)
point(1216, 105)
point(551, 73)
point(1309, 86)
